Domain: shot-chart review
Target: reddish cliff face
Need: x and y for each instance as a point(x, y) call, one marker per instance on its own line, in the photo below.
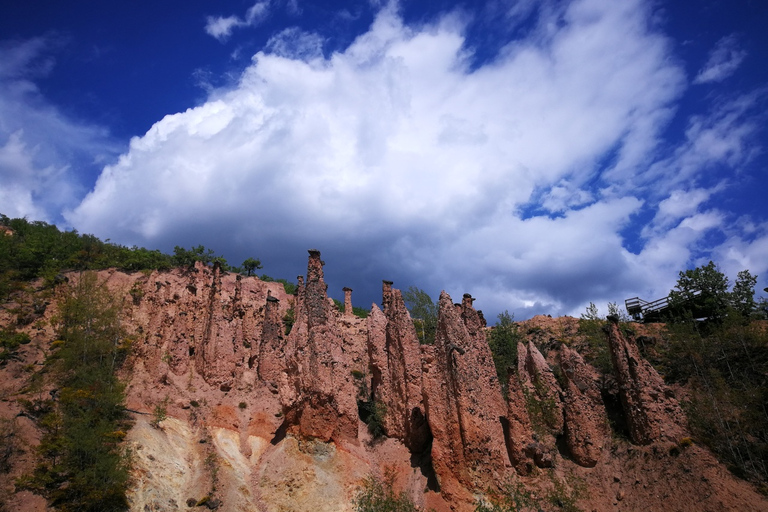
point(585, 420)
point(651, 410)
point(280, 412)
point(518, 434)
point(544, 385)
point(270, 358)
point(199, 318)
point(320, 400)
point(396, 371)
point(464, 406)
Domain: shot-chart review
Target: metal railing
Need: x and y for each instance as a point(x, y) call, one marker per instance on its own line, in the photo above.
point(640, 309)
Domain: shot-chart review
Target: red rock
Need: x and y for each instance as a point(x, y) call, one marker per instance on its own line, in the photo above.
point(463, 401)
point(199, 319)
point(519, 432)
point(546, 388)
point(271, 359)
point(586, 423)
point(652, 412)
point(348, 311)
point(396, 370)
point(319, 395)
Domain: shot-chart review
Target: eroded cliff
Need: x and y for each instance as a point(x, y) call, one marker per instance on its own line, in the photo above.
point(259, 418)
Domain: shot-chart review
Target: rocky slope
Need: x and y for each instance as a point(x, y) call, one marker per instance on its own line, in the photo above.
point(263, 420)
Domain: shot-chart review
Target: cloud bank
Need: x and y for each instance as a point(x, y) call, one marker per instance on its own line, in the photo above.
point(515, 180)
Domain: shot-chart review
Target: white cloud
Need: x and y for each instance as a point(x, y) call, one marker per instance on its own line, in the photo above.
point(565, 196)
point(723, 61)
point(41, 149)
point(221, 27)
point(295, 43)
point(724, 137)
point(397, 152)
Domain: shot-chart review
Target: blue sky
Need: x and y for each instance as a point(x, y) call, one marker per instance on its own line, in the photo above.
point(537, 154)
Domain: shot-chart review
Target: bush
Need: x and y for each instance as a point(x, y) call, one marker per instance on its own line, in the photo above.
point(423, 312)
point(289, 319)
point(160, 413)
point(379, 496)
point(513, 498)
point(374, 412)
point(10, 341)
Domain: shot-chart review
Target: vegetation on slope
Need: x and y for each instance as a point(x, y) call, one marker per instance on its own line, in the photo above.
point(503, 340)
point(83, 465)
point(38, 249)
point(715, 343)
point(376, 495)
point(724, 361)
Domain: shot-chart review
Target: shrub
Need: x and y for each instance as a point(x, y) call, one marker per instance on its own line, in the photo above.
point(513, 498)
point(288, 320)
point(725, 367)
point(379, 496)
point(160, 413)
point(423, 312)
point(376, 410)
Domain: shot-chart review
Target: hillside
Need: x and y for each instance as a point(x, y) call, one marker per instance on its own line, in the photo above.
point(243, 397)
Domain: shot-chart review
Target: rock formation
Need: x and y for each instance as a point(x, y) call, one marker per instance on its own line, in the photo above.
point(280, 411)
point(518, 432)
point(396, 371)
point(539, 381)
point(271, 355)
point(320, 401)
point(200, 317)
point(650, 408)
point(586, 423)
point(463, 401)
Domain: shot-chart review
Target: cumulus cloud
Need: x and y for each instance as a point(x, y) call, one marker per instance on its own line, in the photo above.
point(221, 27)
point(723, 61)
point(41, 149)
point(400, 159)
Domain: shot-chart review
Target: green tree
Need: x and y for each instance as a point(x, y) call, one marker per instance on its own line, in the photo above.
point(700, 292)
point(592, 313)
point(423, 311)
point(590, 327)
point(187, 257)
point(83, 466)
point(503, 341)
point(743, 295)
point(251, 264)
